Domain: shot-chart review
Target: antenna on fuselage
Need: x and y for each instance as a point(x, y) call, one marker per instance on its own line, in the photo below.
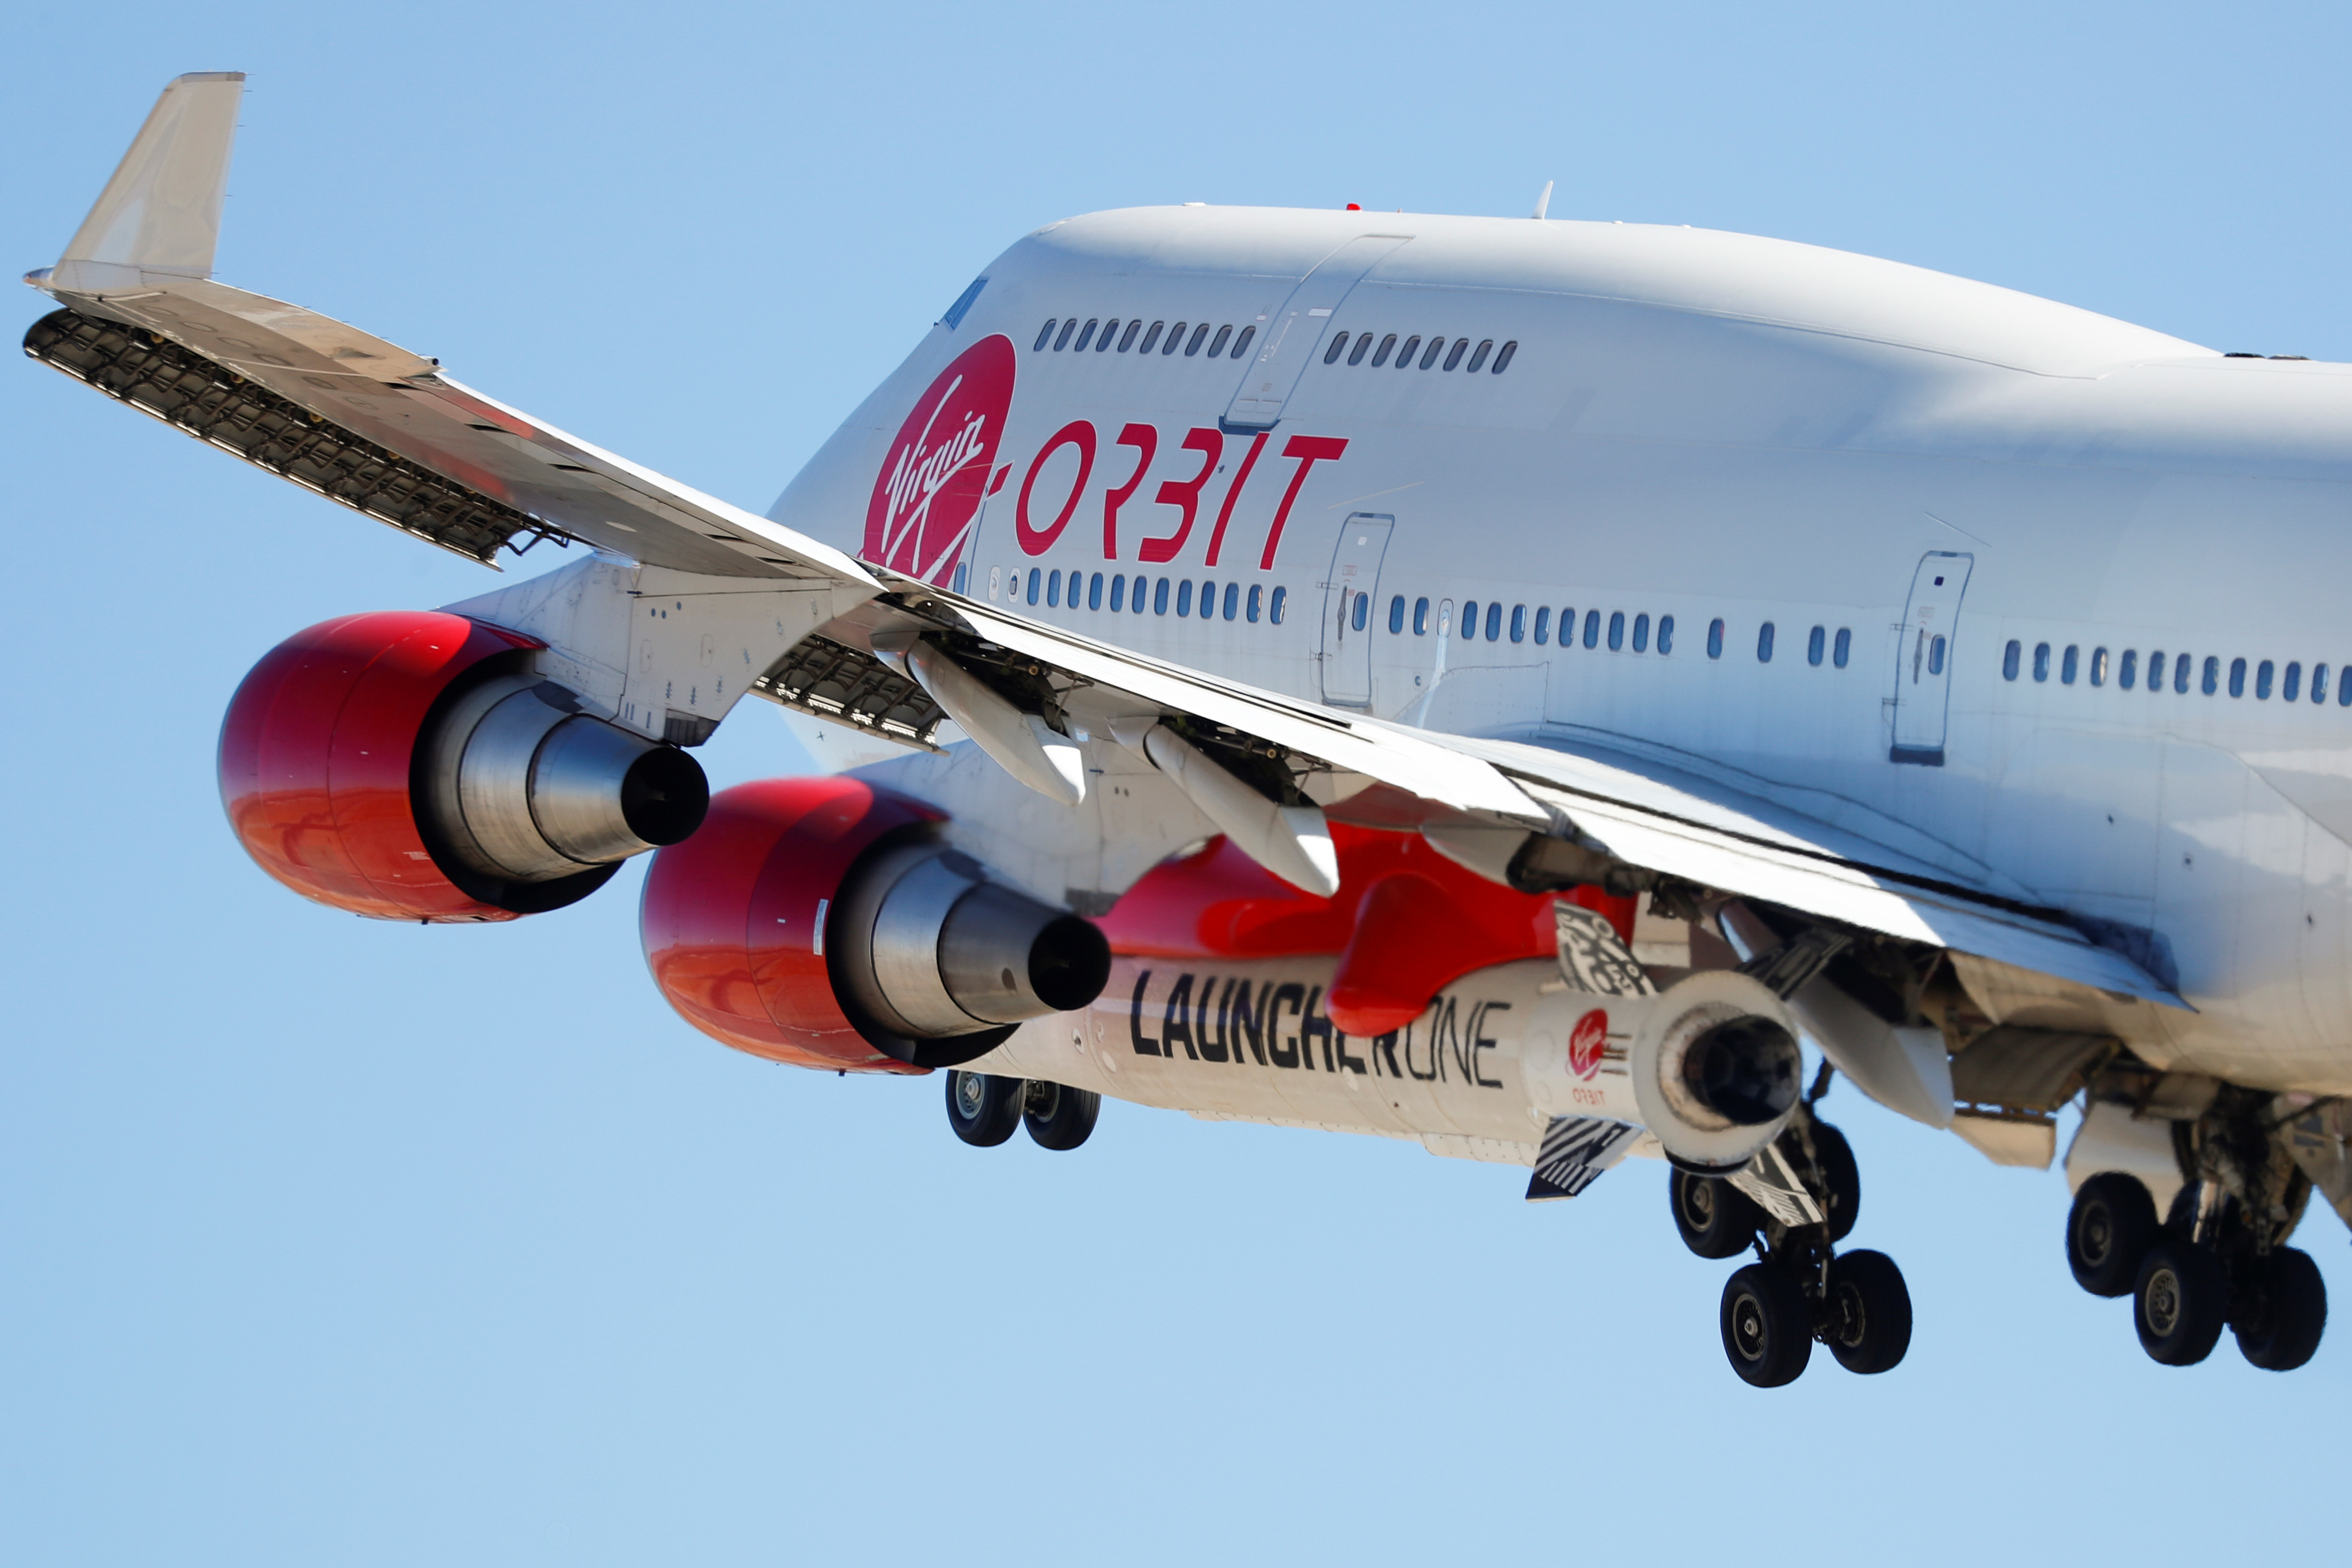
point(1543, 202)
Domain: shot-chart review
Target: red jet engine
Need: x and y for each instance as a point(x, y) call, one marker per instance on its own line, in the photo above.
point(823, 922)
point(406, 765)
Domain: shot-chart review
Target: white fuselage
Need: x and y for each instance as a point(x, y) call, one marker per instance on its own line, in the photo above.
point(1721, 429)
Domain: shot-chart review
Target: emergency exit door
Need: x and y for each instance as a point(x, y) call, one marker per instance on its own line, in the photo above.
point(1923, 654)
point(1350, 600)
point(1294, 332)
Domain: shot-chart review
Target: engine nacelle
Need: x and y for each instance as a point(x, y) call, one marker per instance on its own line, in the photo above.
point(821, 922)
point(406, 765)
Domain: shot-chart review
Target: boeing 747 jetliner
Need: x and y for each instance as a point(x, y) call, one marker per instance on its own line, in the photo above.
point(1498, 683)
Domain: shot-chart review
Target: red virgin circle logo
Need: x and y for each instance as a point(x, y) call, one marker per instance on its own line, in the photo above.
point(1586, 1042)
point(934, 474)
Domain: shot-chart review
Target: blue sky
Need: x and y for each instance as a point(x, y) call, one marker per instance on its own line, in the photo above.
point(335, 1241)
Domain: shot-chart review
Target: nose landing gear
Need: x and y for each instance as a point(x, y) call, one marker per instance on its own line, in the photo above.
point(1801, 1290)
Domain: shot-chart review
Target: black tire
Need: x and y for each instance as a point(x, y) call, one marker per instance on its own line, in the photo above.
point(2279, 1309)
point(983, 1107)
point(1767, 1326)
point(1057, 1116)
point(1715, 1218)
point(1841, 1181)
point(2108, 1232)
point(2179, 1302)
point(1870, 1312)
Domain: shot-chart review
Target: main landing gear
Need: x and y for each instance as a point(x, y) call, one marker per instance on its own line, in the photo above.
point(1801, 1290)
point(985, 1109)
point(2218, 1261)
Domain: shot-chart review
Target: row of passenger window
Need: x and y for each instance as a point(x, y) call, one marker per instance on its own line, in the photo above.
point(1514, 623)
point(1429, 356)
point(1102, 334)
point(1124, 593)
point(2183, 668)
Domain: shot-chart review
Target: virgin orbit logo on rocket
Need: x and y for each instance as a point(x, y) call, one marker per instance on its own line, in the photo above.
point(936, 472)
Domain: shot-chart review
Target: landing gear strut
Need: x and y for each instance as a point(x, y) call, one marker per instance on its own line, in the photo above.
point(2221, 1258)
point(1800, 1289)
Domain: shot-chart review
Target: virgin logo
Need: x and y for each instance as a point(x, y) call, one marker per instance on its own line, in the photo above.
point(934, 474)
point(1586, 1042)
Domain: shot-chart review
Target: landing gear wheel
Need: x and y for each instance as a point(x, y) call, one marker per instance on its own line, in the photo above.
point(1716, 1218)
point(2179, 1302)
point(1767, 1326)
point(2108, 1232)
point(2280, 1309)
point(1870, 1312)
point(1841, 1181)
point(1057, 1116)
point(983, 1107)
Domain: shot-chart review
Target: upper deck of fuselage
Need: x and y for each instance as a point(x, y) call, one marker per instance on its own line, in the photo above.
point(1709, 331)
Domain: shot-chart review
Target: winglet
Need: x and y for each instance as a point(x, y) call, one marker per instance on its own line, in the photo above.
point(160, 212)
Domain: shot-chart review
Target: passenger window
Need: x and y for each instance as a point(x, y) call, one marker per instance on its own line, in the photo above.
point(2319, 683)
point(1241, 344)
point(1281, 597)
point(2343, 688)
point(1094, 592)
point(1126, 339)
point(1715, 640)
point(2292, 687)
point(1217, 343)
point(2130, 669)
point(1429, 356)
point(1592, 628)
point(1453, 355)
point(2237, 678)
point(2010, 658)
point(1470, 620)
point(1160, 597)
point(1044, 334)
point(2098, 667)
point(1257, 600)
point(995, 583)
point(1396, 616)
point(1102, 344)
point(1118, 594)
point(2181, 665)
point(1036, 584)
point(1665, 636)
point(1519, 623)
point(2155, 672)
point(1641, 634)
point(1064, 340)
point(1616, 630)
point(1543, 624)
point(1405, 354)
point(2263, 674)
point(1200, 332)
point(1494, 622)
point(1503, 359)
point(1207, 600)
point(1764, 643)
point(2212, 681)
point(1233, 600)
point(2067, 666)
point(1479, 358)
point(1338, 345)
point(1175, 341)
point(1184, 598)
point(1085, 333)
point(1362, 613)
point(1421, 617)
point(1381, 358)
point(2041, 661)
point(1840, 649)
point(1363, 342)
point(1152, 337)
point(1817, 645)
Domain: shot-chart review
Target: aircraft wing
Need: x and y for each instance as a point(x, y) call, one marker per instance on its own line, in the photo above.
point(383, 430)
